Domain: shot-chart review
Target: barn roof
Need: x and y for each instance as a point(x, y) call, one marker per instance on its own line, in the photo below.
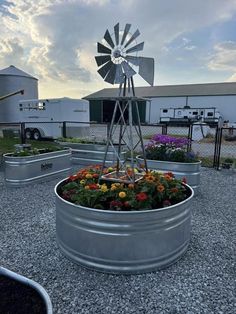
point(207, 89)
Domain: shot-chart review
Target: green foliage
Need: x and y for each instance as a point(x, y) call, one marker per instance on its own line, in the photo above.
point(153, 190)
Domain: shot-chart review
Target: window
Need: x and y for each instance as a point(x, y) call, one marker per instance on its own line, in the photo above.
point(195, 113)
point(165, 110)
point(41, 106)
point(210, 114)
point(202, 113)
point(32, 106)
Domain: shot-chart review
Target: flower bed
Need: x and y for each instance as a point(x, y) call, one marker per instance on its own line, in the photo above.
point(152, 190)
point(167, 153)
point(27, 166)
point(85, 152)
point(123, 228)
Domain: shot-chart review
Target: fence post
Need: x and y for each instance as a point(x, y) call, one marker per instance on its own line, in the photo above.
point(164, 129)
point(108, 129)
point(22, 132)
point(190, 135)
point(64, 129)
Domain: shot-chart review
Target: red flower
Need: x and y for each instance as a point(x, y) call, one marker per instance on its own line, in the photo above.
point(115, 204)
point(126, 203)
point(93, 186)
point(141, 196)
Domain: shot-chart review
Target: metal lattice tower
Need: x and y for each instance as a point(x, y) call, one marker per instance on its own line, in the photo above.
point(117, 65)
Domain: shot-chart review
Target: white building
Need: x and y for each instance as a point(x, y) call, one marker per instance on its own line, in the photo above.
point(221, 96)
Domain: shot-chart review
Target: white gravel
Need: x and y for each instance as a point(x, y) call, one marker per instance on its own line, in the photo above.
point(203, 281)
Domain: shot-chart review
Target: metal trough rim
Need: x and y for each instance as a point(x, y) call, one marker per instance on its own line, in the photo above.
point(31, 283)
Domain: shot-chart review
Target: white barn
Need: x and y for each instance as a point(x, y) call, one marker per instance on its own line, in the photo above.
point(221, 96)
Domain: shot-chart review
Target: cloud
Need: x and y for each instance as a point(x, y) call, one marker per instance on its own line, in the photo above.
point(55, 40)
point(232, 78)
point(224, 57)
point(11, 49)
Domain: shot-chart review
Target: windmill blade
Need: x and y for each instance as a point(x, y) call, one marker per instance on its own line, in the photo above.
point(119, 78)
point(102, 59)
point(132, 59)
point(146, 69)
point(105, 69)
point(103, 49)
point(110, 78)
point(108, 39)
point(132, 38)
point(138, 47)
point(116, 31)
point(127, 69)
point(126, 30)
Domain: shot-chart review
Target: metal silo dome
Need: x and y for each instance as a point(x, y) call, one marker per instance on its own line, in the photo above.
point(13, 79)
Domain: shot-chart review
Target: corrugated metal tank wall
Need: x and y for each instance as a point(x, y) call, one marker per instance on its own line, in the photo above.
point(12, 81)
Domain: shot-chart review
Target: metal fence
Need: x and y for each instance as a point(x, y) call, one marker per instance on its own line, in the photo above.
point(212, 144)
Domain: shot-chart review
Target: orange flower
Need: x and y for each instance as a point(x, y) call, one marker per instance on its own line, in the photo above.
point(150, 178)
point(160, 188)
point(88, 176)
point(170, 174)
point(131, 186)
point(167, 177)
point(174, 190)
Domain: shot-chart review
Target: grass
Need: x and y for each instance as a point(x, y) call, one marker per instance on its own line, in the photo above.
point(7, 144)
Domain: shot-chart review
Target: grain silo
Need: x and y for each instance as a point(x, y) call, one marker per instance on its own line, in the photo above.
point(12, 80)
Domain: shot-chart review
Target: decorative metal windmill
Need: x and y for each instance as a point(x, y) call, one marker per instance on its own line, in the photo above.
point(118, 64)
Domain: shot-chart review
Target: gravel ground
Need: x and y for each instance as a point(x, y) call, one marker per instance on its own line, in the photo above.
point(203, 281)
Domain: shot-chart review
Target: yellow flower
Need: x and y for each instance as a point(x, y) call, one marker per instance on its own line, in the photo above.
point(113, 187)
point(86, 187)
point(82, 182)
point(104, 188)
point(88, 176)
point(122, 194)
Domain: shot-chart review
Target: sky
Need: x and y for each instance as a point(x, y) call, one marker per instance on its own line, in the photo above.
point(56, 40)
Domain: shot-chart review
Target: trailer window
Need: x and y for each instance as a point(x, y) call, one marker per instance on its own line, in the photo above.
point(32, 106)
point(165, 110)
point(41, 106)
point(195, 113)
point(201, 113)
point(210, 114)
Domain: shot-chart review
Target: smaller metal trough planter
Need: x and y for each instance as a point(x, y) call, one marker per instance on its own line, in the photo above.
point(191, 171)
point(20, 171)
point(20, 293)
point(125, 242)
point(89, 154)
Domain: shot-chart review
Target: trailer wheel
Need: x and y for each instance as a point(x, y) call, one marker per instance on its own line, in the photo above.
point(28, 134)
point(36, 134)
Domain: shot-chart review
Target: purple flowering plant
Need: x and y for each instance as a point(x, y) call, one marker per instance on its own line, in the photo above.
point(169, 148)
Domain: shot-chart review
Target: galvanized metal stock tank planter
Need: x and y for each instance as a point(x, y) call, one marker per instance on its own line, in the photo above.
point(88, 154)
point(31, 284)
point(123, 242)
point(20, 171)
point(191, 171)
